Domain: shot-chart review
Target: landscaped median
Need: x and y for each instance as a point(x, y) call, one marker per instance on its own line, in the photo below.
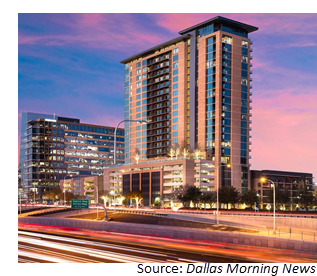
point(177, 232)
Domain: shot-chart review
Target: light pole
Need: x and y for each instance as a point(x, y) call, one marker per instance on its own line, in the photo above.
point(263, 179)
point(97, 199)
point(115, 136)
point(34, 191)
point(64, 187)
point(218, 184)
point(20, 192)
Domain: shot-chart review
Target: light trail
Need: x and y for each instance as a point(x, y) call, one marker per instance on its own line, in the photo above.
point(57, 243)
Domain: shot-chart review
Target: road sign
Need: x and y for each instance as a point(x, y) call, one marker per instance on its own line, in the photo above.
point(80, 204)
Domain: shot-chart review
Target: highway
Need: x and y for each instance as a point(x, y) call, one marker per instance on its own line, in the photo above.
point(52, 248)
point(42, 244)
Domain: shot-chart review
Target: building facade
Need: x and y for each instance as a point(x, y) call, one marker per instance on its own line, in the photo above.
point(194, 91)
point(159, 179)
point(288, 183)
point(90, 187)
point(57, 147)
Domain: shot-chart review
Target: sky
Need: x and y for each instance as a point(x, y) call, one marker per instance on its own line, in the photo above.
point(69, 64)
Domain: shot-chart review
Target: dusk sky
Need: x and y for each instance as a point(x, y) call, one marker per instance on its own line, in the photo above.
point(69, 64)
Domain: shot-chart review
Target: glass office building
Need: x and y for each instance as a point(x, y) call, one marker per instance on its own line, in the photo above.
point(54, 147)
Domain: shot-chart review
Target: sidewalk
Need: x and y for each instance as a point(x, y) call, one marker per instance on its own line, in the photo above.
point(261, 230)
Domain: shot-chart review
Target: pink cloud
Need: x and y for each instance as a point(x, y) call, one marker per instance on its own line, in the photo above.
point(102, 31)
point(280, 24)
point(284, 133)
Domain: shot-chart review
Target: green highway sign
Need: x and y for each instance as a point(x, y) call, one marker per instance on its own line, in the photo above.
point(80, 204)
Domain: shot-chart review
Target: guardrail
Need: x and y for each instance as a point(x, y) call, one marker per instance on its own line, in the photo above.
point(141, 213)
point(212, 212)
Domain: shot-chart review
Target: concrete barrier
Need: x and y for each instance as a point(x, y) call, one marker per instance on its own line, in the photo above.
point(169, 231)
point(303, 223)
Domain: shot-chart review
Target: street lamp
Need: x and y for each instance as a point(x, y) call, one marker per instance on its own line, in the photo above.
point(218, 184)
point(115, 136)
point(64, 187)
point(97, 198)
point(20, 194)
point(263, 179)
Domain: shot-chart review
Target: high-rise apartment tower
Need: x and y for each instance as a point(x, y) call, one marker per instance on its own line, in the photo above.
point(195, 92)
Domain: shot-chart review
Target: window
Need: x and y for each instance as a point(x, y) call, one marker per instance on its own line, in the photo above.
point(175, 100)
point(244, 44)
point(175, 79)
point(175, 133)
point(175, 93)
point(175, 65)
point(175, 106)
point(175, 58)
point(175, 127)
point(227, 39)
point(175, 72)
point(175, 51)
point(138, 65)
point(244, 81)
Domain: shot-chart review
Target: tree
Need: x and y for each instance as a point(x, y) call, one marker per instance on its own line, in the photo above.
point(188, 193)
point(208, 197)
point(305, 198)
point(180, 194)
point(55, 193)
point(250, 197)
point(69, 196)
point(281, 196)
point(105, 194)
point(229, 195)
point(32, 195)
point(137, 196)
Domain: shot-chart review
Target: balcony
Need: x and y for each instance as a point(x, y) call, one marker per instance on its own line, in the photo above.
point(172, 176)
point(210, 176)
point(198, 184)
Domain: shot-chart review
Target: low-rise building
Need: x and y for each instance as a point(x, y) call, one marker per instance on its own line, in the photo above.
point(158, 179)
point(289, 183)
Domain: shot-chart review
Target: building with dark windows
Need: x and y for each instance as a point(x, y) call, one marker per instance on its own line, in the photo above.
point(55, 147)
point(287, 185)
point(194, 91)
point(159, 179)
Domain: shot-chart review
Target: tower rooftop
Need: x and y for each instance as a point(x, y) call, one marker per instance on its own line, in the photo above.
point(220, 20)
